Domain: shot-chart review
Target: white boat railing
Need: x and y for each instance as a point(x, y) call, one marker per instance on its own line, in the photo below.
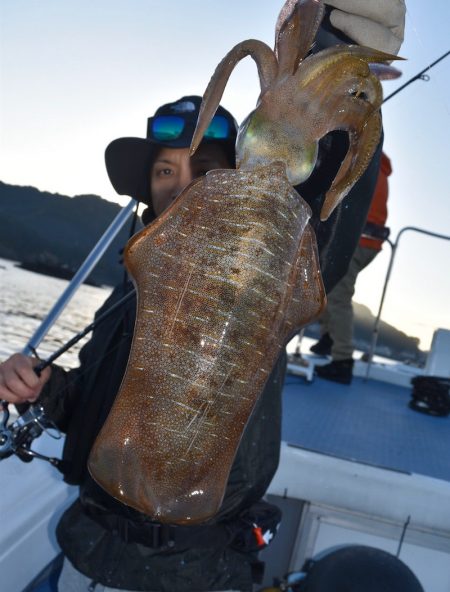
point(394, 248)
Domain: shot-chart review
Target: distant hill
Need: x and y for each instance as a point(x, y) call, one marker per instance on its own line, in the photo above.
point(51, 228)
point(57, 229)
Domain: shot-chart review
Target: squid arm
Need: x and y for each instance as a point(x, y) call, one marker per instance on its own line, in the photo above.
point(267, 70)
point(295, 30)
point(314, 66)
point(355, 101)
point(361, 149)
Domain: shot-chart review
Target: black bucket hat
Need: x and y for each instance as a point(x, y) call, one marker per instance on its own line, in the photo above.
point(128, 160)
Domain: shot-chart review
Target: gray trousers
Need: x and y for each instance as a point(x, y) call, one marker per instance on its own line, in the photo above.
point(337, 319)
point(72, 580)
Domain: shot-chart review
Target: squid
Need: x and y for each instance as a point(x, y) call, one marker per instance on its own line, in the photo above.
point(230, 272)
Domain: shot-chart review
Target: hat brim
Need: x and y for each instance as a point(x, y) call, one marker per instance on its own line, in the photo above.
point(128, 162)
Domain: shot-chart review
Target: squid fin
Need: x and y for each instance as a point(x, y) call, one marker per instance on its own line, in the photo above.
point(308, 296)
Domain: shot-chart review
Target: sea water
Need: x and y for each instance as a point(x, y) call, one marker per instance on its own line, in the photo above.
point(25, 300)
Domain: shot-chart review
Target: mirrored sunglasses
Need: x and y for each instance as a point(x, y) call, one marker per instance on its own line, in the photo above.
point(165, 128)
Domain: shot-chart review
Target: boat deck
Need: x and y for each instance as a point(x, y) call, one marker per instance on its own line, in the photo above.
point(367, 422)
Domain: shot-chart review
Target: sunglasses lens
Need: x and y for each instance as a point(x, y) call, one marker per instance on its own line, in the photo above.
point(167, 127)
point(219, 128)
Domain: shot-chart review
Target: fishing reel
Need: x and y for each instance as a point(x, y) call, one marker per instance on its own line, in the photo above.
point(17, 437)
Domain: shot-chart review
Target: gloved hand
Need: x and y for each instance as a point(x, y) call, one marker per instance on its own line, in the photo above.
point(379, 24)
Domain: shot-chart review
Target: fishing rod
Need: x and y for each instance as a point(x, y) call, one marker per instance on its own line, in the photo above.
point(86, 267)
point(420, 76)
point(76, 338)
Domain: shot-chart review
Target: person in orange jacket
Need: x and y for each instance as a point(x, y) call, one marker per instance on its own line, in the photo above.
point(337, 320)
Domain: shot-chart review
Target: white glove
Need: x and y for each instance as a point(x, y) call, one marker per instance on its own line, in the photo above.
point(379, 24)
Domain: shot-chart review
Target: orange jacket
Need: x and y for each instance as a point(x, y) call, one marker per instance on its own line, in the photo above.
point(378, 206)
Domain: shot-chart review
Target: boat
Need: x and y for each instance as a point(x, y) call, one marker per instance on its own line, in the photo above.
point(358, 467)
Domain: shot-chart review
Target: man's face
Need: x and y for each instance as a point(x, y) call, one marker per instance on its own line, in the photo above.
point(174, 169)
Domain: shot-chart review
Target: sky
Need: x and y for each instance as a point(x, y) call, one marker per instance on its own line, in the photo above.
point(74, 75)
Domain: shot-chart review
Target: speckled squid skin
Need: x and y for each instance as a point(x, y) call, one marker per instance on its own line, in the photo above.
point(230, 271)
point(223, 277)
